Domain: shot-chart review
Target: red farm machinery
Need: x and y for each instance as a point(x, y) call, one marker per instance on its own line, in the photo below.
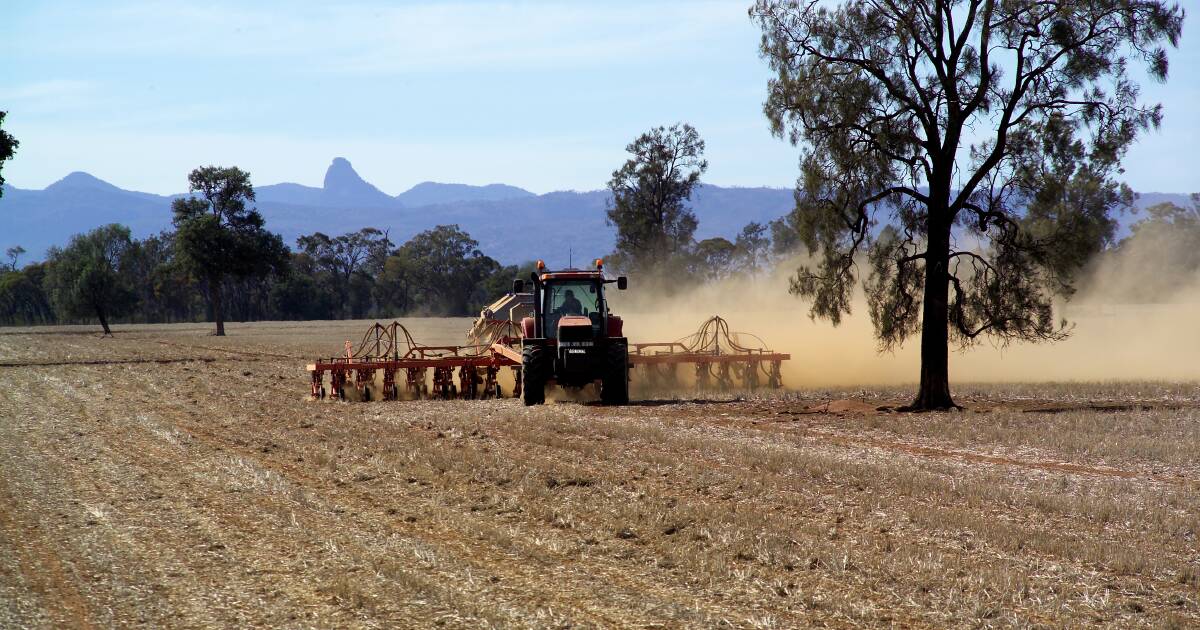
point(555, 330)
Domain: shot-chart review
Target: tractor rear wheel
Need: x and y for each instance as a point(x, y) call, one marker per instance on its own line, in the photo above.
point(615, 388)
point(533, 375)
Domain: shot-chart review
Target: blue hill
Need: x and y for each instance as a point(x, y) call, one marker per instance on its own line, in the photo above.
point(511, 224)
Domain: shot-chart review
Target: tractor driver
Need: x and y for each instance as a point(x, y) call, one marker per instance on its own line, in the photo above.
point(570, 305)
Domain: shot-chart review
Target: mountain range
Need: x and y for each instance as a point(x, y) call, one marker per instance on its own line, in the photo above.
point(502, 218)
point(511, 224)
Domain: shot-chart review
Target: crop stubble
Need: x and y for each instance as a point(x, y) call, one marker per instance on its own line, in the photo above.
point(167, 478)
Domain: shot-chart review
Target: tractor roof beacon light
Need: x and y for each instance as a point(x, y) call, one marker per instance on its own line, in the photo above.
point(599, 264)
point(541, 265)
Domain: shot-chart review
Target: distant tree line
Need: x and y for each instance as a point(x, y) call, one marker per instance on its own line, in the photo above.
point(105, 276)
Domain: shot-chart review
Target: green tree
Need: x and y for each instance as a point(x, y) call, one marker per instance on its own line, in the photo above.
point(396, 286)
point(1135, 269)
point(14, 254)
point(442, 270)
point(650, 191)
point(968, 147)
point(23, 299)
point(164, 288)
point(8, 147)
point(298, 294)
point(501, 281)
point(714, 259)
point(753, 247)
point(352, 261)
point(219, 236)
point(85, 277)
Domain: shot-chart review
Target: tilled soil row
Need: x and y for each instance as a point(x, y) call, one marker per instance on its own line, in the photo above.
point(170, 494)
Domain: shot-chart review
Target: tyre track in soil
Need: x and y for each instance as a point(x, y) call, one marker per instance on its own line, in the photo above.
point(145, 524)
point(87, 362)
point(930, 452)
point(903, 610)
point(677, 490)
point(919, 451)
point(255, 353)
point(38, 562)
point(683, 592)
point(547, 453)
point(1050, 525)
point(568, 589)
point(22, 532)
point(915, 453)
point(214, 439)
point(464, 541)
point(618, 575)
point(221, 519)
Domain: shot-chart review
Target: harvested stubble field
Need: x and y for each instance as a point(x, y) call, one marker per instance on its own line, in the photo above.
point(167, 478)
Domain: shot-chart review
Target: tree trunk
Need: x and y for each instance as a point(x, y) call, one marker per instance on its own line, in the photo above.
point(934, 392)
point(103, 321)
point(214, 287)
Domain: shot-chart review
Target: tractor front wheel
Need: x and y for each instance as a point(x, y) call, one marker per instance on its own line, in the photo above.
point(533, 375)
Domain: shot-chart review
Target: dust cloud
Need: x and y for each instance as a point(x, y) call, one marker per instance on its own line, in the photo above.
point(1114, 338)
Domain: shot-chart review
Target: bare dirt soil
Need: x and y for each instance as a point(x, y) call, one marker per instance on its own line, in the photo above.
point(167, 478)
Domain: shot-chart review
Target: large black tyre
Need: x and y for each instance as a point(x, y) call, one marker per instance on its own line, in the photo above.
point(534, 368)
point(614, 390)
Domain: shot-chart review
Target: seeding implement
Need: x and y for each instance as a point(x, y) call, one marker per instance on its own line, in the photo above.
point(566, 336)
point(390, 350)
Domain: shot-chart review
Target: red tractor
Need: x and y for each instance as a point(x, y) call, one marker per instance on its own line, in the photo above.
point(573, 340)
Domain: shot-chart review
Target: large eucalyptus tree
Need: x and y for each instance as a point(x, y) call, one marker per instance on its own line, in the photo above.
point(969, 149)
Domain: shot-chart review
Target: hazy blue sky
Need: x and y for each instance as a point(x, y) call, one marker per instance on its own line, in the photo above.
point(539, 95)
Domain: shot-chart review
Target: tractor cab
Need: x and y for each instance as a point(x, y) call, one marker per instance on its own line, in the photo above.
point(574, 309)
point(573, 339)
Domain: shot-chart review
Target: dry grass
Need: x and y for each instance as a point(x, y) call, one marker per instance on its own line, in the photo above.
point(191, 493)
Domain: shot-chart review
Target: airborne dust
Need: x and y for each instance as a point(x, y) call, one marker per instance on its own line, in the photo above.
point(1118, 334)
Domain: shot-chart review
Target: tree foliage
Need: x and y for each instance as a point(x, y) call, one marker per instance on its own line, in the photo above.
point(649, 198)
point(8, 148)
point(969, 148)
point(1158, 259)
point(753, 247)
point(303, 291)
point(14, 254)
point(440, 270)
point(85, 278)
point(23, 298)
point(714, 259)
point(162, 282)
point(350, 261)
point(219, 234)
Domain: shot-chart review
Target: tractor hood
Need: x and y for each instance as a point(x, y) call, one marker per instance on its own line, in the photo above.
point(574, 328)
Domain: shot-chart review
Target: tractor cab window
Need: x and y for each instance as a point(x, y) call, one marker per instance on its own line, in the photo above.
point(572, 298)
